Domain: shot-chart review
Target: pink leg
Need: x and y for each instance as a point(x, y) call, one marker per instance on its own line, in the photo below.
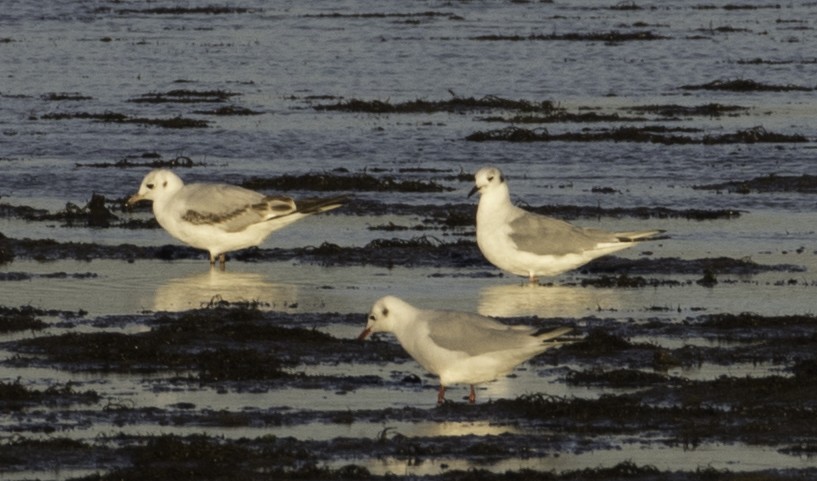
point(472, 396)
point(441, 395)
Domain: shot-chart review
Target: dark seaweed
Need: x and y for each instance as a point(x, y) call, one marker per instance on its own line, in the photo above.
point(108, 117)
point(20, 319)
point(15, 396)
point(657, 135)
point(209, 10)
point(609, 37)
point(711, 110)
point(805, 184)
point(745, 86)
point(229, 110)
point(185, 97)
point(332, 182)
point(412, 15)
point(65, 96)
point(157, 162)
point(456, 104)
point(586, 117)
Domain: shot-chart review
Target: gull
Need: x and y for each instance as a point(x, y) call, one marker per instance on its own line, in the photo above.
point(220, 218)
point(459, 347)
point(528, 244)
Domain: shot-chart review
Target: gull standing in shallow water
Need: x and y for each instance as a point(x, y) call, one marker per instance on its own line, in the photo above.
point(529, 244)
point(459, 347)
point(220, 218)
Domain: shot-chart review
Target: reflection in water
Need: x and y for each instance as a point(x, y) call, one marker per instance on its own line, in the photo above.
point(515, 300)
point(195, 291)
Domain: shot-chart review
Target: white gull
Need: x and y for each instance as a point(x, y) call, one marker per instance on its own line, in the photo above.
point(528, 244)
point(459, 347)
point(221, 218)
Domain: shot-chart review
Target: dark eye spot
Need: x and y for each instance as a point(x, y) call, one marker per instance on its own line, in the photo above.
point(372, 318)
point(490, 178)
point(164, 184)
point(385, 312)
point(149, 186)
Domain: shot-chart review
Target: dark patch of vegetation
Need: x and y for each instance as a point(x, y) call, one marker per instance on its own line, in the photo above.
point(14, 396)
point(332, 182)
point(26, 276)
point(456, 104)
point(423, 15)
point(805, 184)
point(745, 86)
point(184, 96)
point(20, 319)
point(156, 162)
point(657, 135)
point(94, 214)
point(208, 10)
point(608, 37)
point(736, 6)
point(674, 265)
point(54, 97)
point(114, 118)
point(761, 61)
point(229, 110)
point(557, 117)
point(616, 378)
point(748, 320)
point(624, 281)
point(673, 111)
point(221, 343)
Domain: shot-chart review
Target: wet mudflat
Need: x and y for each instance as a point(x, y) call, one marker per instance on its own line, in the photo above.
point(123, 356)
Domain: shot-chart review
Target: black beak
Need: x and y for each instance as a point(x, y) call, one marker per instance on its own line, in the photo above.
point(473, 191)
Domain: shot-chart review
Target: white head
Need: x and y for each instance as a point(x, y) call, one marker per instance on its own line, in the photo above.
point(386, 315)
point(488, 179)
point(158, 184)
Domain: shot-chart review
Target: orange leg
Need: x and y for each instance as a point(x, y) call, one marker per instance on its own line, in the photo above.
point(472, 396)
point(441, 395)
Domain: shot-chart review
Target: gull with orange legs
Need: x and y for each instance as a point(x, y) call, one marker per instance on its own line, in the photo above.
point(459, 347)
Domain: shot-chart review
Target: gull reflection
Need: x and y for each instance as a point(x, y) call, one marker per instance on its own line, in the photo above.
point(195, 291)
point(458, 429)
point(517, 300)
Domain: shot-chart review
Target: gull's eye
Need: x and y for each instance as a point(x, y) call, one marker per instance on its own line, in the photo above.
point(385, 312)
point(149, 186)
point(490, 178)
point(372, 318)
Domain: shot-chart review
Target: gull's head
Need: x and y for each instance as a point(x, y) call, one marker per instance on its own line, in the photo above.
point(487, 179)
point(386, 315)
point(157, 184)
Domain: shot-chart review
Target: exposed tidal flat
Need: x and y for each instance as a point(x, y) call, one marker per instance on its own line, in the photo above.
point(124, 356)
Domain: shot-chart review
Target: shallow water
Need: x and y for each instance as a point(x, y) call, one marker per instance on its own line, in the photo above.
point(282, 60)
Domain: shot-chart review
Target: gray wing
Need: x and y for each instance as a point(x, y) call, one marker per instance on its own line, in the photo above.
point(229, 207)
point(475, 334)
point(543, 235)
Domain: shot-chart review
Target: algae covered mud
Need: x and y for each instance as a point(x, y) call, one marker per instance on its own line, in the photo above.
point(123, 356)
